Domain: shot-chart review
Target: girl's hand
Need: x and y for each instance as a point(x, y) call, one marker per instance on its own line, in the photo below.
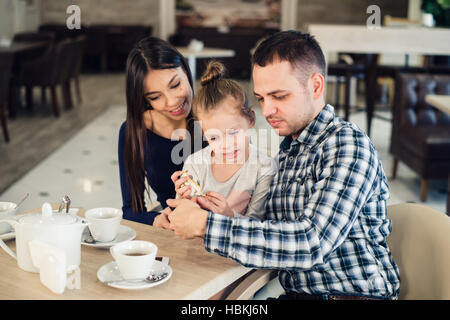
point(162, 220)
point(215, 202)
point(183, 192)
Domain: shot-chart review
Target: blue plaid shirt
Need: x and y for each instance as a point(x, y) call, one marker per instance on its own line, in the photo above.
point(326, 226)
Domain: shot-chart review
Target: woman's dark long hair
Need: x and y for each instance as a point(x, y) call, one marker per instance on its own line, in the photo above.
point(148, 54)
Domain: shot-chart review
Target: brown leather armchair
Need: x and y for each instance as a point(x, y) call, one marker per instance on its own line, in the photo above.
point(421, 133)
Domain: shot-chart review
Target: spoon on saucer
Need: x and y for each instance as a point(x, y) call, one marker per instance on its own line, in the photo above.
point(21, 201)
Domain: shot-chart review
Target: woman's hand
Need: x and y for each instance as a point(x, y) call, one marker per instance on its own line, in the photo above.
point(162, 220)
point(183, 192)
point(215, 202)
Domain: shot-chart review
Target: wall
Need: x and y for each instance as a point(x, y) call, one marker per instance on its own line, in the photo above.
point(345, 11)
point(140, 12)
point(17, 16)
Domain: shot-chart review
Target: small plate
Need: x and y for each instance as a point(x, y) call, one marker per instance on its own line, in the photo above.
point(125, 233)
point(8, 236)
point(111, 272)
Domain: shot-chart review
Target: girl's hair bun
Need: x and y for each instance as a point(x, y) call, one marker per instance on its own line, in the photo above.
point(214, 71)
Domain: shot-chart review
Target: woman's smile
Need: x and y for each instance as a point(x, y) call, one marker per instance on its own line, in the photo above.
point(179, 110)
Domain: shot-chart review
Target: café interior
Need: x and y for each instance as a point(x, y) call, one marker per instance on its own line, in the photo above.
point(62, 102)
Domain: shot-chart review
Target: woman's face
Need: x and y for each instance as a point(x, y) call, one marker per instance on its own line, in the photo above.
point(168, 91)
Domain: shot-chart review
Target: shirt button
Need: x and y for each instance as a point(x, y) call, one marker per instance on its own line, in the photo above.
point(291, 158)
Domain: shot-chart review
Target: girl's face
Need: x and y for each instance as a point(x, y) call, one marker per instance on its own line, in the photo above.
point(226, 130)
point(168, 91)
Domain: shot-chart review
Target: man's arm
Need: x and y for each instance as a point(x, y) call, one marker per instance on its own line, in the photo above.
point(347, 171)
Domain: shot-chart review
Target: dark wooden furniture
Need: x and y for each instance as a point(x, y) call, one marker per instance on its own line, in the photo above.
point(106, 46)
point(21, 52)
point(49, 70)
point(241, 40)
point(6, 63)
point(421, 133)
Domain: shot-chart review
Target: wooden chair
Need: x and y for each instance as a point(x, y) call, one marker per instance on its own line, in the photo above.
point(49, 70)
point(5, 77)
point(420, 245)
point(251, 284)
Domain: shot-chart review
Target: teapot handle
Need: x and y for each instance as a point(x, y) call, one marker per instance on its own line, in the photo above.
point(7, 249)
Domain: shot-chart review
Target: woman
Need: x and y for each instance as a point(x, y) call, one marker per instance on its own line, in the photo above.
point(159, 92)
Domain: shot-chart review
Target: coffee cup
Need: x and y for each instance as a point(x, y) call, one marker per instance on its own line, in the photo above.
point(134, 258)
point(104, 223)
point(7, 209)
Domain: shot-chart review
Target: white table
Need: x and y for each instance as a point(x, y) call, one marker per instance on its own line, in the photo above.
point(193, 55)
point(441, 102)
point(361, 39)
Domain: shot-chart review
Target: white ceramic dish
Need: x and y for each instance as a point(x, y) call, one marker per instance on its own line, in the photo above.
point(8, 236)
point(110, 272)
point(125, 233)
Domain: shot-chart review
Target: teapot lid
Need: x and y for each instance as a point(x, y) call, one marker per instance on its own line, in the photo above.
point(47, 217)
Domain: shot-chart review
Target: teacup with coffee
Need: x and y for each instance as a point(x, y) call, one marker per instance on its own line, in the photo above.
point(104, 223)
point(134, 258)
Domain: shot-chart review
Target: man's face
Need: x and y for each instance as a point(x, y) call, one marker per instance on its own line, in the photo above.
point(285, 102)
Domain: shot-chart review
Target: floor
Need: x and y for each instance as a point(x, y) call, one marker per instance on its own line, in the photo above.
point(84, 165)
point(35, 133)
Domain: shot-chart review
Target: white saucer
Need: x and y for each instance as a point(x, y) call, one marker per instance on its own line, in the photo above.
point(125, 233)
point(8, 236)
point(110, 272)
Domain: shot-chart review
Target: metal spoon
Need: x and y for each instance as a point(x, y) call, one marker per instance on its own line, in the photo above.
point(67, 201)
point(150, 279)
point(61, 206)
point(21, 201)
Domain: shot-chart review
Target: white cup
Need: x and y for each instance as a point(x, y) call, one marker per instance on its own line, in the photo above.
point(104, 223)
point(134, 258)
point(6, 211)
point(427, 19)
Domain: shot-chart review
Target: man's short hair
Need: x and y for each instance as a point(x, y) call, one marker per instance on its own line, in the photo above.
point(301, 49)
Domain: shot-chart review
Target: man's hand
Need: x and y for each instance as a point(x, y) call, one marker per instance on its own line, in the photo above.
point(162, 220)
point(187, 219)
point(215, 202)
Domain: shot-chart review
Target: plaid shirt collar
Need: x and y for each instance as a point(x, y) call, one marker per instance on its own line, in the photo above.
point(313, 131)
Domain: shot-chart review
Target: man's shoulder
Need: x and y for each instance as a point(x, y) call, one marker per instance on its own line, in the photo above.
point(340, 133)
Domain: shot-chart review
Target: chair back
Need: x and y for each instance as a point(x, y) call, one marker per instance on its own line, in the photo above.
point(78, 47)
point(6, 62)
point(46, 36)
point(65, 53)
point(420, 245)
point(411, 109)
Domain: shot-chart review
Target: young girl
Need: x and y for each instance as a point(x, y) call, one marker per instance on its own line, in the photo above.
point(233, 175)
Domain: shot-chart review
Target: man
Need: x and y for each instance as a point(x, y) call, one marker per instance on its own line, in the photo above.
point(326, 226)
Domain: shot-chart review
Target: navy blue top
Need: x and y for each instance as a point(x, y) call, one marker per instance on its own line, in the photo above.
point(159, 167)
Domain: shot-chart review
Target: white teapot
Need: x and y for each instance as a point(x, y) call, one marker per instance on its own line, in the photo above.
point(60, 230)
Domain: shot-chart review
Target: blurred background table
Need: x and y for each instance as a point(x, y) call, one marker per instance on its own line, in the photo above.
point(439, 101)
point(361, 39)
point(193, 55)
